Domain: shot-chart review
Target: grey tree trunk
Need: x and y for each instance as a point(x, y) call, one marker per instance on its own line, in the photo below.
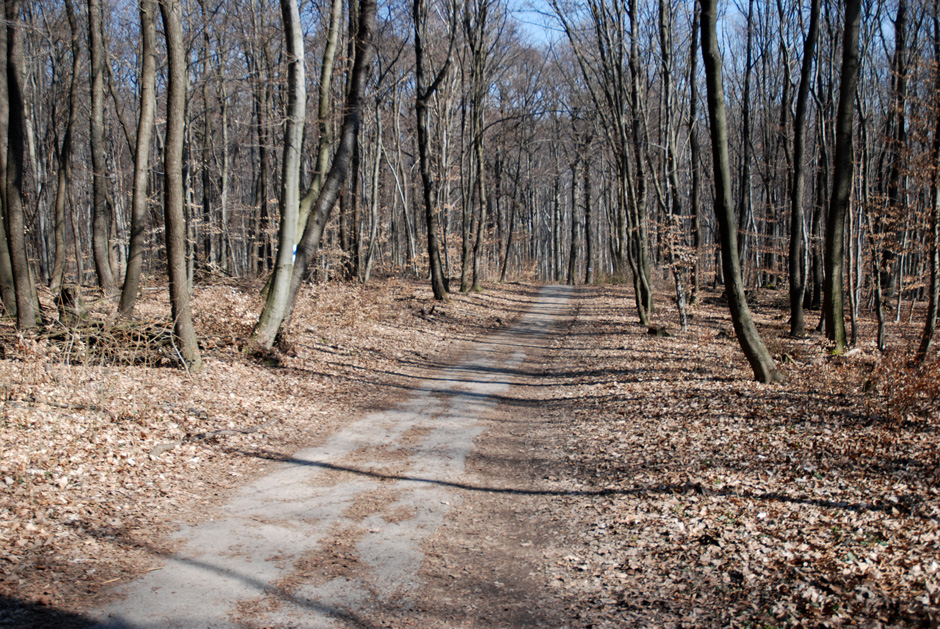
point(101, 218)
point(173, 184)
point(148, 104)
point(290, 179)
point(325, 137)
point(694, 156)
point(757, 355)
point(843, 169)
point(278, 308)
point(933, 296)
point(6, 268)
point(424, 91)
point(26, 311)
point(64, 175)
point(674, 234)
point(588, 226)
point(797, 215)
point(575, 244)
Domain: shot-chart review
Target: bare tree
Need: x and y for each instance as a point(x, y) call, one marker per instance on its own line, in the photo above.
point(933, 248)
point(424, 91)
point(26, 311)
point(843, 168)
point(757, 355)
point(290, 179)
point(148, 102)
point(173, 183)
point(278, 308)
point(101, 221)
point(797, 232)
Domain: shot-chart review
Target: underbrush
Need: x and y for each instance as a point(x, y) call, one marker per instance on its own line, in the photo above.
point(906, 390)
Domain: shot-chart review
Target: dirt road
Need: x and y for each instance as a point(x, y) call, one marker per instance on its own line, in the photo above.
point(433, 512)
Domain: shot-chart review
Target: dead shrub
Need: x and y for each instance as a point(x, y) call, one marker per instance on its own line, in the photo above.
point(907, 390)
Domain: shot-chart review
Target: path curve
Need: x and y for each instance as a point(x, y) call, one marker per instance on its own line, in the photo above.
point(335, 533)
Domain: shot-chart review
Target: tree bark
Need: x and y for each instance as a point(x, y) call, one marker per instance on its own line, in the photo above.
point(173, 184)
point(797, 215)
point(278, 307)
point(933, 295)
point(7, 288)
point(324, 139)
point(148, 103)
point(575, 244)
point(290, 179)
point(833, 293)
point(26, 311)
point(64, 174)
point(101, 219)
point(423, 93)
point(757, 355)
point(694, 156)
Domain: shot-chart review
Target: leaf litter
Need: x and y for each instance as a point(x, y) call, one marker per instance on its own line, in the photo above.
point(696, 497)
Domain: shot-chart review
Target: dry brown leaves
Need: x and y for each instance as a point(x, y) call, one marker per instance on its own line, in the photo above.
point(697, 496)
point(98, 460)
point(714, 500)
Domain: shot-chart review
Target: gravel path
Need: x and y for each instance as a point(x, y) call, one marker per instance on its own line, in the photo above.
point(335, 536)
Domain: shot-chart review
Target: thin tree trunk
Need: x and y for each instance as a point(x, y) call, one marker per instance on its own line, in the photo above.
point(757, 355)
point(833, 292)
point(148, 103)
point(933, 296)
point(369, 257)
point(173, 184)
point(575, 245)
point(694, 155)
point(588, 226)
point(325, 136)
point(65, 157)
point(6, 267)
point(639, 230)
point(101, 221)
point(744, 184)
point(424, 91)
point(797, 218)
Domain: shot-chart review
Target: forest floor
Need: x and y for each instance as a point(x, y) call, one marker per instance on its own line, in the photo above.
point(622, 479)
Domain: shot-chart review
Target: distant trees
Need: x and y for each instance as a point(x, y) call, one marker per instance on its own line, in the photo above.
point(578, 161)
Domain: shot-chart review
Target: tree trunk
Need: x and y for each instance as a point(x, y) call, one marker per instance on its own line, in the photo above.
point(148, 103)
point(797, 215)
point(575, 245)
point(588, 226)
point(64, 175)
point(325, 136)
point(752, 345)
point(744, 183)
point(278, 307)
point(290, 179)
point(933, 296)
point(833, 293)
point(423, 93)
point(101, 221)
point(26, 311)
point(694, 155)
point(173, 185)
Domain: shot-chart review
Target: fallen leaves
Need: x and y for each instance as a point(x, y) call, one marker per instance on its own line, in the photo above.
point(100, 457)
point(725, 502)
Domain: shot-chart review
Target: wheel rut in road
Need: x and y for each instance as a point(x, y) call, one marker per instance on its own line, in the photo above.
point(336, 536)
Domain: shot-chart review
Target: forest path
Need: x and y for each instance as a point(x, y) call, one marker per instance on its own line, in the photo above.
point(435, 512)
